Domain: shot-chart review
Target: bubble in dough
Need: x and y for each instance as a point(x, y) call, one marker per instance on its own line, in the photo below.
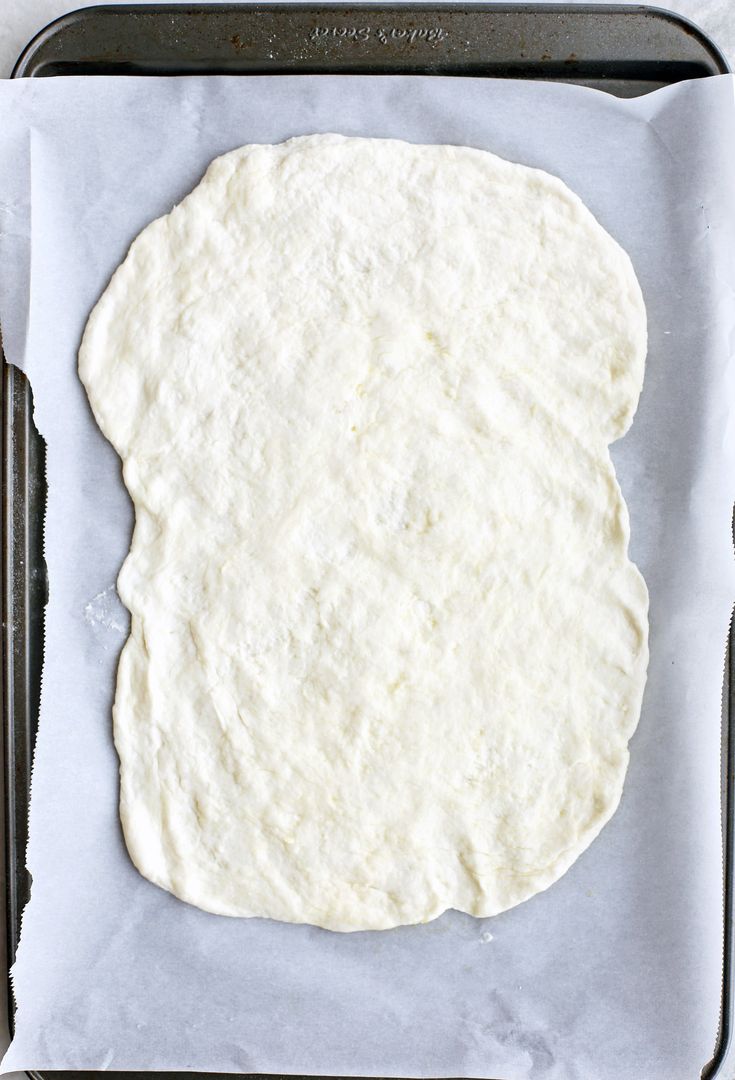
point(387, 648)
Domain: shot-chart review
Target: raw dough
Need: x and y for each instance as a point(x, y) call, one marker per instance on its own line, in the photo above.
point(387, 647)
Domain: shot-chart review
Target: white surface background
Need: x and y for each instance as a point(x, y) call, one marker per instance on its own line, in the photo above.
point(21, 19)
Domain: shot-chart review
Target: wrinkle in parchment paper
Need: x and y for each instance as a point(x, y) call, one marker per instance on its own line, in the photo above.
point(614, 972)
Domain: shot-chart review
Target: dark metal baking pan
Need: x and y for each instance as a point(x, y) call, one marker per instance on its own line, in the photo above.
point(624, 50)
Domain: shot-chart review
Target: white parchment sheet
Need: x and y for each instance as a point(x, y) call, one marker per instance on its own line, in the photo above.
point(614, 973)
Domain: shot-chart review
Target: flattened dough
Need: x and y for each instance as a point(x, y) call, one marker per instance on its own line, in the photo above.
point(387, 647)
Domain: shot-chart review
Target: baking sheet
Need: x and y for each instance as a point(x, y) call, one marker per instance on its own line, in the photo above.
point(615, 971)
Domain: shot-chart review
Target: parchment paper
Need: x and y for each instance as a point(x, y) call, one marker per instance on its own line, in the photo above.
point(614, 973)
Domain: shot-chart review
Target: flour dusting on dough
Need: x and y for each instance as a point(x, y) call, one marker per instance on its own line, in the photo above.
point(387, 648)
